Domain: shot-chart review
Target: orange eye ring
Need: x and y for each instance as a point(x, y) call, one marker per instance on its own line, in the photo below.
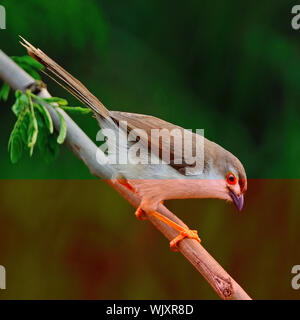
point(231, 178)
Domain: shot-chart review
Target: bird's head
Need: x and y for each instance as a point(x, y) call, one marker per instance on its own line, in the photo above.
point(231, 182)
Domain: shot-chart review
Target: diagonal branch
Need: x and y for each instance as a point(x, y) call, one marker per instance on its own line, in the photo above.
point(85, 149)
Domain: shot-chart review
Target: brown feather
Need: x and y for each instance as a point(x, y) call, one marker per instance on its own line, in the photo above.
point(73, 85)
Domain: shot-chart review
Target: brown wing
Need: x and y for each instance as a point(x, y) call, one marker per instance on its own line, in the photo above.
point(147, 123)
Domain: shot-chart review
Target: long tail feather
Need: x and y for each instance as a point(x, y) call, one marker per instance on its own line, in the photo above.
point(74, 86)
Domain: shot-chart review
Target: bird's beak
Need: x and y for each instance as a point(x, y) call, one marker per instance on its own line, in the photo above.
point(237, 200)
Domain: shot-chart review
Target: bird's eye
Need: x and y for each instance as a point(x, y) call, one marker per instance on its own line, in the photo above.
point(231, 178)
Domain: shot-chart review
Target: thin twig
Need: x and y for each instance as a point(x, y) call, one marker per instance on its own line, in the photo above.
point(224, 285)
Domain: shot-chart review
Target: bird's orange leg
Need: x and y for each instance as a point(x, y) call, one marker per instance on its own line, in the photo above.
point(140, 214)
point(183, 232)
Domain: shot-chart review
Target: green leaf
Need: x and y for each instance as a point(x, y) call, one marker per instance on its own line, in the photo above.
point(16, 148)
point(32, 133)
point(18, 93)
point(46, 116)
point(18, 138)
point(21, 104)
point(30, 65)
point(59, 101)
point(48, 146)
point(52, 150)
point(23, 127)
point(28, 60)
point(63, 129)
point(32, 127)
point(17, 107)
point(77, 109)
point(30, 71)
point(24, 99)
point(4, 92)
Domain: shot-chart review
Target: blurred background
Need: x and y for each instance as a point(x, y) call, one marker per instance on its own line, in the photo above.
point(230, 67)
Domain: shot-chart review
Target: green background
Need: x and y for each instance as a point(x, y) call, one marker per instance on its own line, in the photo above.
point(230, 67)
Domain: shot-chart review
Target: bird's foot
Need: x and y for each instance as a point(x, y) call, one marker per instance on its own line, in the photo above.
point(140, 214)
point(186, 233)
point(183, 232)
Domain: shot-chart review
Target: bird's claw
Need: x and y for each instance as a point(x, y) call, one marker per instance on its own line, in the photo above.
point(140, 214)
point(183, 232)
point(187, 233)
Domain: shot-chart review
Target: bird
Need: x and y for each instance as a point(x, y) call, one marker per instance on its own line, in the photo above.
point(222, 175)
